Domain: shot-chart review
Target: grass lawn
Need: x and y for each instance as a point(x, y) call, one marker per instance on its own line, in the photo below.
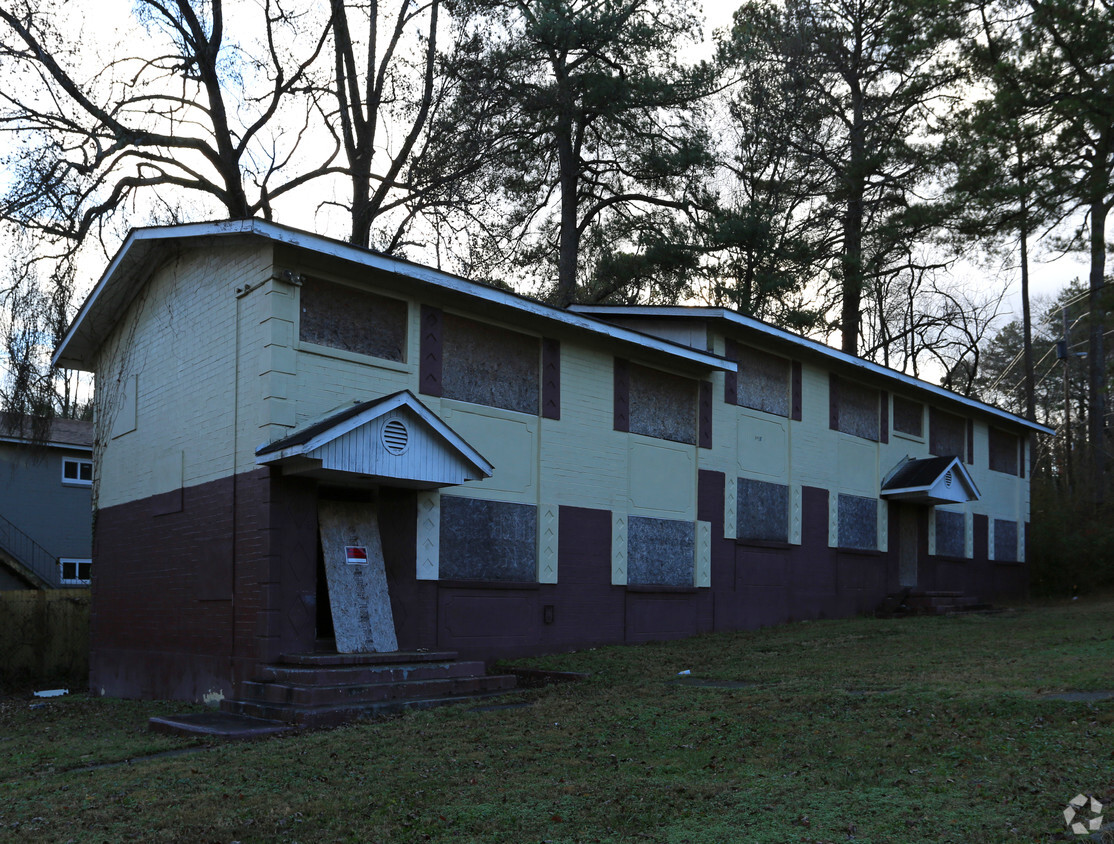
point(914, 730)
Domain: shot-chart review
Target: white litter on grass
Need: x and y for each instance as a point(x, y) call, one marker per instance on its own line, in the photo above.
point(52, 693)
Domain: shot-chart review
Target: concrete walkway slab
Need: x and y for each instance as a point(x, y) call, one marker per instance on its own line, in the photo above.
point(220, 725)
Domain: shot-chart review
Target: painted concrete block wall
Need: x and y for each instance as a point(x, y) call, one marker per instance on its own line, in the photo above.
point(772, 448)
point(176, 348)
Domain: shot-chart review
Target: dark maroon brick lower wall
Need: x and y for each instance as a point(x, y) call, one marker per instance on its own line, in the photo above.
point(194, 592)
point(162, 612)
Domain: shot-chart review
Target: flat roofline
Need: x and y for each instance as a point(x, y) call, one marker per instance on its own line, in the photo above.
point(143, 241)
point(814, 346)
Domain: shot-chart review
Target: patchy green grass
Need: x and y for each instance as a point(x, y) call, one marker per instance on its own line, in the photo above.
point(910, 730)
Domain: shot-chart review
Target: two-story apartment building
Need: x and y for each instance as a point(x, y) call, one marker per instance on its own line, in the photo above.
point(299, 441)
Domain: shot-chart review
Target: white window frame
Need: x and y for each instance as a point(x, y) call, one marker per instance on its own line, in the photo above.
point(74, 581)
point(79, 462)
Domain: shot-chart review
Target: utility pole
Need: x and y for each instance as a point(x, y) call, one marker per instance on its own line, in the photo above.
point(1063, 352)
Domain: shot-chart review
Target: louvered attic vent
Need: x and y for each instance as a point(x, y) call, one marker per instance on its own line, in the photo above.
point(395, 436)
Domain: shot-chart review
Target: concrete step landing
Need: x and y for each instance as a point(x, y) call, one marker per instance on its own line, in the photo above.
point(325, 690)
point(929, 602)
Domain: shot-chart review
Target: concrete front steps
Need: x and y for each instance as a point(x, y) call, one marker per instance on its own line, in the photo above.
point(923, 602)
point(325, 690)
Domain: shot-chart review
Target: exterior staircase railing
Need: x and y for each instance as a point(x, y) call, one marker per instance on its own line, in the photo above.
point(26, 554)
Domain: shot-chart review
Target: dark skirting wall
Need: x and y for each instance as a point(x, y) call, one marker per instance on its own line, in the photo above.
point(165, 624)
point(162, 621)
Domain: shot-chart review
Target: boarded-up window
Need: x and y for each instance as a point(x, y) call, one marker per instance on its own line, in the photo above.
point(353, 320)
point(489, 365)
point(908, 417)
point(488, 540)
point(947, 434)
point(662, 405)
point(763, 381)
point(858, 522)
point(951, 534)
point(858, 410)
point(1005, 540)
point(762, 511)
point(660, 552)
point(1003, 451)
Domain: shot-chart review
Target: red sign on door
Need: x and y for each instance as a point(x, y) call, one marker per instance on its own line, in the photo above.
point(355, 555)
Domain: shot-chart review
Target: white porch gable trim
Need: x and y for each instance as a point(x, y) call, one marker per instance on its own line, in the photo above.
point(933, 480)
point(395, 438)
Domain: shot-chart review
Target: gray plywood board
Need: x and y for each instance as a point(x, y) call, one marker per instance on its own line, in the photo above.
point(762, 510)
point(488, 540)
point(660, 552)
point(358, 594)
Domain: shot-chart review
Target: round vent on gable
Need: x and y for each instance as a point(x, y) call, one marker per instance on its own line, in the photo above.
point(948, 479)
point(395, 436)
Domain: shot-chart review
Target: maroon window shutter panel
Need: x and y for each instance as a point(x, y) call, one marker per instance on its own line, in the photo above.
point(705, 433)
point(833, 402)
point(884, 422)
point(551, 378)
point(971, 442)
point(795, 395)
point(622, 395)
point(731, 379)
point(429, 367)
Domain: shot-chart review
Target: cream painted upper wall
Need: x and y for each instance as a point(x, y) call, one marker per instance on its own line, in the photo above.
point(815, 455)
point(171, 361)
point(217, 373)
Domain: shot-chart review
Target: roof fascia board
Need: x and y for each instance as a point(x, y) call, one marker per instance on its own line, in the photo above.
point(49, 444)
point(814, 346)
point(136, 236)
point(359, 255)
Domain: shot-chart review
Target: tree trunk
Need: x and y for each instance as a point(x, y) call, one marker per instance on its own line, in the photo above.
point(568, 247)
point(1027, 320)
point(851, 261)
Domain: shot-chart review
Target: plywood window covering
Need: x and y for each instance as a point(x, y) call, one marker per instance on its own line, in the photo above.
point(662, 405)
point(762, 511)
point(353, 320)
point(661, 552)
point(908, 417)
point(488, 540)
point(763, 381)
point(1004, 451)
point(951, 534)
point(489, 365)
point(858, 522)
point(947, 434)
point(856, 409)
point(1005, 541)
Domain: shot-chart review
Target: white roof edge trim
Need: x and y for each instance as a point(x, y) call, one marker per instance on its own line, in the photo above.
point(814, 345)
point(134, 236)
point(403, 399)
point(49, 444)
point(890, 493)
point(360, 255)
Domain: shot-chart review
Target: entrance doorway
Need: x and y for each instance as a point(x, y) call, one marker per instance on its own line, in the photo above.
point(908, 544)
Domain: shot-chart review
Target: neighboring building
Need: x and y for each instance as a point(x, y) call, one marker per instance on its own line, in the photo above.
point(299, 439)
point(45, 504)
